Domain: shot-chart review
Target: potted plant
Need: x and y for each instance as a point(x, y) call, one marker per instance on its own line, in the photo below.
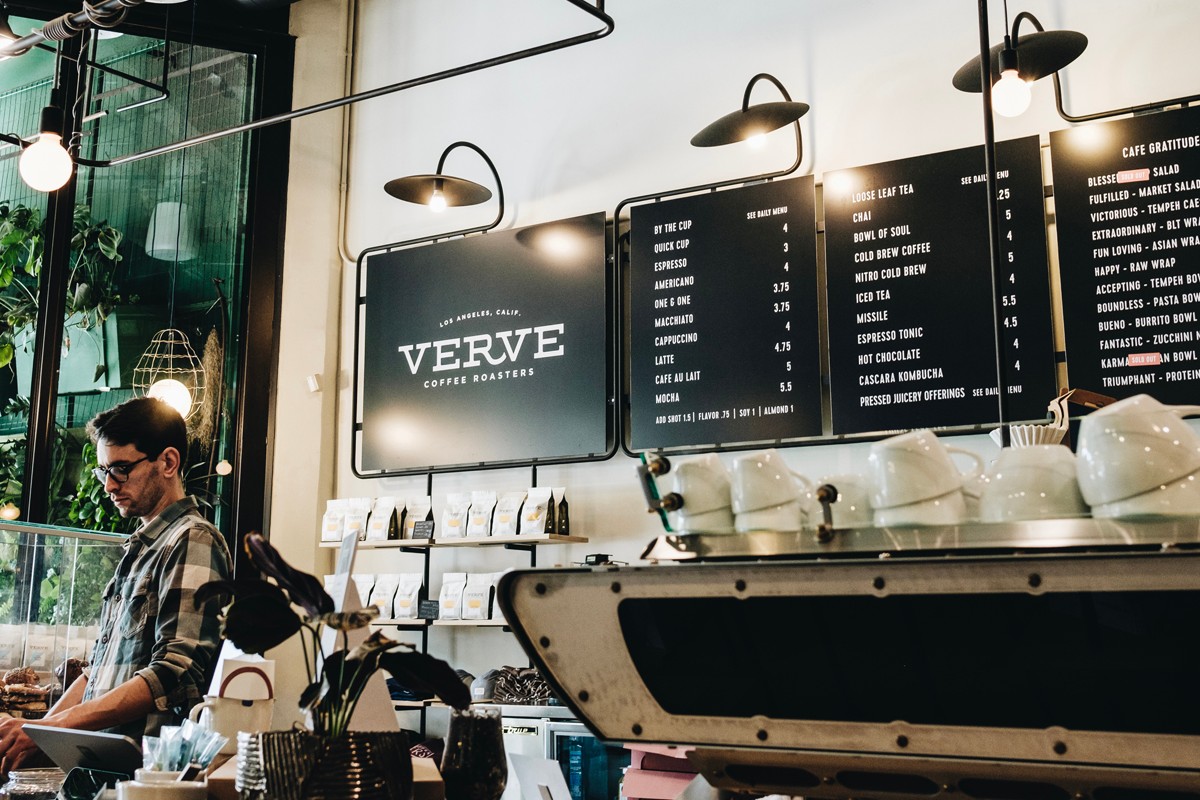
point(330, 760)
point(92, 286)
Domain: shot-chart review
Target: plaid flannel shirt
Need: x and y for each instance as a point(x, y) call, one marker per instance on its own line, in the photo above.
point(149, 626)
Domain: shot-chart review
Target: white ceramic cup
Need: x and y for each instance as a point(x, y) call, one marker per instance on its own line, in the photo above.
point(228, 715)
point(151, 785)
point(852, 509)
point(703, 483)
point(1178, 498)
point(949, 509)
point(1134, 446)
point(1036, 482)
point(914, 467)
point(763, 481)
point(783, 517)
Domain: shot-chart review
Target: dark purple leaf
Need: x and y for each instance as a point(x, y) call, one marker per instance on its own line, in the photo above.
point(235, 588)
point(303, 589)
point(425, 674)
point(257, 623)
point(310, 695)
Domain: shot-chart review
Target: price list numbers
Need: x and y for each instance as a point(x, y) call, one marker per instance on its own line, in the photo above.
point(912, 341)
point(1129, 235)
point(1023, 301)
point(723, 318)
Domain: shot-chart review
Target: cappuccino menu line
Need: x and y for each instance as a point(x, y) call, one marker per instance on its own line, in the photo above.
point(911, 333)
point(724, 341)
point(1127, 197)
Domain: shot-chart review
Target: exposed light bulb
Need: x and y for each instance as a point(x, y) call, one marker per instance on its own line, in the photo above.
point(1011, 95)
point(223, 468)
point(45, 165)
point(9, 512)
point(173, 393)
point(437, 201)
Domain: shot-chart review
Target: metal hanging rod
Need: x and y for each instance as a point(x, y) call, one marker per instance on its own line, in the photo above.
point(115, 8)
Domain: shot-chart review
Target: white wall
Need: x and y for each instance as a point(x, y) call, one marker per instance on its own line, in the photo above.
point(580, 130)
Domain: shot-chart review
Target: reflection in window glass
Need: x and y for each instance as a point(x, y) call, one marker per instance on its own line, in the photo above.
point(158, 244)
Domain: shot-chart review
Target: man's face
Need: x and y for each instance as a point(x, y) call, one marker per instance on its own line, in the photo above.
point(139, 494)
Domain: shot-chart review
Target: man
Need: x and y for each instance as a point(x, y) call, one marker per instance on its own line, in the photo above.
point(153, 658)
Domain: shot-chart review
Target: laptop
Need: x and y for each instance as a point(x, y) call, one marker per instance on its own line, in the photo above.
point(69, 748)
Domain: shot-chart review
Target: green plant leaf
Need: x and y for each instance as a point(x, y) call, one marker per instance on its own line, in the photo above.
point(6, 354)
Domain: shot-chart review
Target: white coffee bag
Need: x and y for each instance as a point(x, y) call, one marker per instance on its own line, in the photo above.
point(454, 516)
point(450, 598)
point(479, 518)
point(506, 520)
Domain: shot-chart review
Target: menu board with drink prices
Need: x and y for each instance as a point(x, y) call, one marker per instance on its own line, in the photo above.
point(1127, 206)
point(724, 343)
point(912, 323)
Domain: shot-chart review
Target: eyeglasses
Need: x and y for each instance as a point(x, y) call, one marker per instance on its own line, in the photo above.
point(118, 472)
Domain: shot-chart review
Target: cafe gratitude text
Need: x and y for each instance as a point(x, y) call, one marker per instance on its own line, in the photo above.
point(484, 349)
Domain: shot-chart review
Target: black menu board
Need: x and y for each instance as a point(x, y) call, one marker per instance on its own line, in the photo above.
point(911, 324)
point(485, 349)
point(724, 337)
point(1127, 203)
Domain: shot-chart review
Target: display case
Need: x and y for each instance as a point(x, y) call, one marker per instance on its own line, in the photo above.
point(51, 582)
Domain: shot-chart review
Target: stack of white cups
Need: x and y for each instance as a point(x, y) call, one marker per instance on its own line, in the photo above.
point(1137, 458)
point(767, 494)
point(703, 483)
point(914, 481)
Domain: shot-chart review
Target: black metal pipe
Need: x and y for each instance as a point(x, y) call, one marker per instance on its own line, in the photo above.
point(993, 205)
point(52, 306)
point(66, 26)
point(596, 12)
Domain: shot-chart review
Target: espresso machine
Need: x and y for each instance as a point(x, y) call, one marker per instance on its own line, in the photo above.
point(1007, 661)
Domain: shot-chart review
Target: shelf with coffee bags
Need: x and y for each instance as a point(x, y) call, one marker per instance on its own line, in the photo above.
point(401, 623)
point(471, 623)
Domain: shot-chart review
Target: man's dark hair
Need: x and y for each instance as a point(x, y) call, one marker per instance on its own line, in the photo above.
point(148, 424)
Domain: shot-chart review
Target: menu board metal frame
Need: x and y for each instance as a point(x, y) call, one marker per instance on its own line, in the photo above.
point(1127, 212)
point(490, 308)
point(713, 266)
point(912, 329)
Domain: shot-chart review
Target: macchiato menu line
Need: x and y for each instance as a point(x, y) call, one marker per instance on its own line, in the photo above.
point(722, 298)
point(1127, 197)
point(911, 339)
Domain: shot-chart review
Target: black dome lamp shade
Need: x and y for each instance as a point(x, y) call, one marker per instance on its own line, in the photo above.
point(440, 191)
point(750, 121)
point(1018, 61)
point(1039, 54)
point(421, 189)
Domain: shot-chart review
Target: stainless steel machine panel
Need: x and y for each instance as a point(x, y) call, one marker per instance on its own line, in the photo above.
point(965, 674)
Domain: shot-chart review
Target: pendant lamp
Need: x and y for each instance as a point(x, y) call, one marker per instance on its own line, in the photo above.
point(171, 371)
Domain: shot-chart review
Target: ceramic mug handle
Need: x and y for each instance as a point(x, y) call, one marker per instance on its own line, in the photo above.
point(194, 716)
point(976, 471)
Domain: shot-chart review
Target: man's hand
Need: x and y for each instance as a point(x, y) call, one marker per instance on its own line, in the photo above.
point(16, 748)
